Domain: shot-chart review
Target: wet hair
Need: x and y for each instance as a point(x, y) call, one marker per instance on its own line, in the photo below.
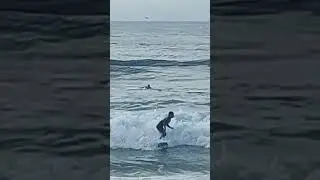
point(171, 113)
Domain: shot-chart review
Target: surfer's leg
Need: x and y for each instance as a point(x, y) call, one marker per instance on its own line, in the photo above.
point(164, 134)
point(159, 128)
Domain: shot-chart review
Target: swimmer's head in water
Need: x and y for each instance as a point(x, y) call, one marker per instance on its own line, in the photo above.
point(171, 115)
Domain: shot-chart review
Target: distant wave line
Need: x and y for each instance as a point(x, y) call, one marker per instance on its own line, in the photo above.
point(157, 63)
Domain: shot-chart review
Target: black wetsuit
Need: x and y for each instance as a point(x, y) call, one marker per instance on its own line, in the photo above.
point(162, 126)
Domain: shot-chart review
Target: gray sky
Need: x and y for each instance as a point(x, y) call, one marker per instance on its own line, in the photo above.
point(160, 10)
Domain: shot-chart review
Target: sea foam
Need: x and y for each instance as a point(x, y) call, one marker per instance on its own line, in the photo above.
point(137, 129)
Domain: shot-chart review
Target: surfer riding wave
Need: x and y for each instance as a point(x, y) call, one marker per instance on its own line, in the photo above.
point(163, 123)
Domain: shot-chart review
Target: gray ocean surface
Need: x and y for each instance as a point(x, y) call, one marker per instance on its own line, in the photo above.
point(266, 90)
point(173, 57)
point(52, 104)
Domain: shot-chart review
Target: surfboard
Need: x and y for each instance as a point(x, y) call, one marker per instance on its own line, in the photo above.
point(163, 145)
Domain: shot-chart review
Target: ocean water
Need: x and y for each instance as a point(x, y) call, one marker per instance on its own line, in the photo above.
point(173, 57)
point(52, 105)
point(266, 89)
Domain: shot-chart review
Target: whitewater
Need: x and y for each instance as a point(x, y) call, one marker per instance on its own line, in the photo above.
point(190, 128)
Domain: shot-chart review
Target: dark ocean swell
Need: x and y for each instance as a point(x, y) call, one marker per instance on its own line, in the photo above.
point(262, 7)
point(52, 36)
point(159, 63)
point(79, 7)
point(265, 89)
point(52, 56)
point(54, 141)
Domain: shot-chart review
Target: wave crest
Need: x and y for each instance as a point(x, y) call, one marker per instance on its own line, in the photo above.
point(137, 130)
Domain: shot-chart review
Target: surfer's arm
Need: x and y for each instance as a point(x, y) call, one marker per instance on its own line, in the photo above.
point(169, 126)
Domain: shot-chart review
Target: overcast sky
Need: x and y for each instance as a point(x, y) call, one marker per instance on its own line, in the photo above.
point(160, 10)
